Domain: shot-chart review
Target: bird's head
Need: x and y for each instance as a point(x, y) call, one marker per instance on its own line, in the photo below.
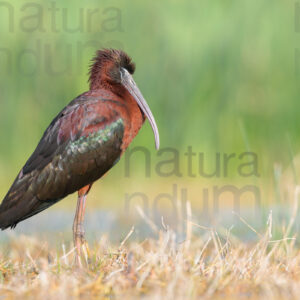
point(113, 69)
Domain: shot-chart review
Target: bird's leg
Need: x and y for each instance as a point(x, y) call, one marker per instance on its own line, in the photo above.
point(78, 230)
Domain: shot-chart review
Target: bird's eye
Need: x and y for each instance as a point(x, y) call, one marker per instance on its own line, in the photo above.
point(115, 74)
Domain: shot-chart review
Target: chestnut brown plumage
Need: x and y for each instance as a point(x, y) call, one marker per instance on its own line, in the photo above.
point(81, 144)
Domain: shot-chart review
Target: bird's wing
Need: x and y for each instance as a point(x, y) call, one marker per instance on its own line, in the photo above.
point(81, 144)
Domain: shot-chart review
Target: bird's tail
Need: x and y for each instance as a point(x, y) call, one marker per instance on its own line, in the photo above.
point(20, 203)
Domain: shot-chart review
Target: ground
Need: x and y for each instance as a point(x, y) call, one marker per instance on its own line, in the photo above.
point(215, 264)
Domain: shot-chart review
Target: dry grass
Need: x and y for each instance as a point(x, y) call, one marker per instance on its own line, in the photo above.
point(213, 265)
point(217, 265)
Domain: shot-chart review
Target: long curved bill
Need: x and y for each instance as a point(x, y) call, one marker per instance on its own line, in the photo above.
point(129, 83)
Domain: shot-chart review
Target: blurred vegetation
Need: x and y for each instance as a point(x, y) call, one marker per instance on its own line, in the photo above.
point(218, 75)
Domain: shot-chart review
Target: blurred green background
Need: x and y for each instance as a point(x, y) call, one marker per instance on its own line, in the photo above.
point(220, 76)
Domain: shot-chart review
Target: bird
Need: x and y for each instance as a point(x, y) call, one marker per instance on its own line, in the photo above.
point(82, 143)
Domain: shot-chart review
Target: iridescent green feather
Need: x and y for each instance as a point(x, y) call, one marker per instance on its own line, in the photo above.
point(94, 140)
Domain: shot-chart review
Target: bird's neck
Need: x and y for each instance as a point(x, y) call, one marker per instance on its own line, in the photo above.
point(136, 119)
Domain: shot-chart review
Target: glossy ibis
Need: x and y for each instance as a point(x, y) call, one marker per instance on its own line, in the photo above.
point(81, 144)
